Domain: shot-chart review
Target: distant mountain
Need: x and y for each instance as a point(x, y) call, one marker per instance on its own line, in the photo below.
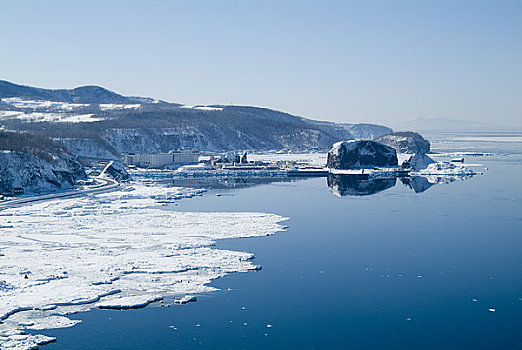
point(95, 122)
point(83, 94)
point(439, 124)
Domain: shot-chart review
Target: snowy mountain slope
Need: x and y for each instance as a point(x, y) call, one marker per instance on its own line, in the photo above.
point(129, 124)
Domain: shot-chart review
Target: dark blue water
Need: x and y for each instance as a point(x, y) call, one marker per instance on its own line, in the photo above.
point(392, 270)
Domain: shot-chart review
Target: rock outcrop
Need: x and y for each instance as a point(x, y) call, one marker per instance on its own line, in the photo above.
point(417, 162)
point(22, 173)
point(31, 163)
point(406, 142)
point(117, 171)
point(361, 154)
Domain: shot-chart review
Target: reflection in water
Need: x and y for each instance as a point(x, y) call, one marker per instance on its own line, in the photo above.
point(340, 185)
point(417, 183)
point(349, 185)
point(228, 182)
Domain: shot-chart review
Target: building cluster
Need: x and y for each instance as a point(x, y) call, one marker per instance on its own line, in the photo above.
point(162, 160)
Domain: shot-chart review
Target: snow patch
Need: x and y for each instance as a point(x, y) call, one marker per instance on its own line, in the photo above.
point(63, 106)
point(114, 106)
point(202, 108)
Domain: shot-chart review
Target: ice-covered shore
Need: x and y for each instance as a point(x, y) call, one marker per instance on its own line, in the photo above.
point(116, 249)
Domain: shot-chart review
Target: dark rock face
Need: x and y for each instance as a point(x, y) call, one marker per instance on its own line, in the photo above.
point(406, 142)
point(32, 163)
point(118, 172)
point(361, 154)
point(32, 174)
point(348, 185)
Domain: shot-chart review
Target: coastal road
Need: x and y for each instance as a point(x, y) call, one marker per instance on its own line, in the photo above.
point(107, 185)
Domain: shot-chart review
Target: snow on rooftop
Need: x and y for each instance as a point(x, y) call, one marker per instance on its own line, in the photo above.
point(117, 249)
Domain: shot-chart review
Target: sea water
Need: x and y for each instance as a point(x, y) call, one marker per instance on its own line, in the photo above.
point(439, 269)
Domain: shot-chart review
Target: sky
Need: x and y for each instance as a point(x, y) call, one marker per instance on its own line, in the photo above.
point(371, 61)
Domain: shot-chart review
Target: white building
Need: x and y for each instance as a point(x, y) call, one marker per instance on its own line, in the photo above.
point(161, 160)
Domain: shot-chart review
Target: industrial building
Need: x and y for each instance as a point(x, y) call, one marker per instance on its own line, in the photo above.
point(162, 160)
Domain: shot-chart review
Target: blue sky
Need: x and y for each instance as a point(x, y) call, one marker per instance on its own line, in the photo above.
point(375, 61)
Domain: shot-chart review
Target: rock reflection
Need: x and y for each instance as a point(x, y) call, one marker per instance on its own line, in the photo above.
point(353, 185)
point(350, 185)
point(417, 183)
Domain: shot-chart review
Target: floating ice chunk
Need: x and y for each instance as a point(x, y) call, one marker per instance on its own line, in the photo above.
point(131, 302)
point(25, 341)
point(186, 299)
point(51, 322)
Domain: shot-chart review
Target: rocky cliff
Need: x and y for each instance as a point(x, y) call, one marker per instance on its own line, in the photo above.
point(360, 154)
point(34, 164)
point(406, 142)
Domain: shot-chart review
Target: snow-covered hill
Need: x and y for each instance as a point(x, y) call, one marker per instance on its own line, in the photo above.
point(95, 122)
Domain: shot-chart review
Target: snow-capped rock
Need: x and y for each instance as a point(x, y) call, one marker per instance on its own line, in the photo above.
point(416, 162)
point(406, 142)
point(359, 154)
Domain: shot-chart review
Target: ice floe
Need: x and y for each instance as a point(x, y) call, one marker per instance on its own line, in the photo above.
point(185, 299)
point(130, 302)
point(120, 249)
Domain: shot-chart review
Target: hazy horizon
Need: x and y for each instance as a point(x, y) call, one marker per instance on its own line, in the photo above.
point(341, 61)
